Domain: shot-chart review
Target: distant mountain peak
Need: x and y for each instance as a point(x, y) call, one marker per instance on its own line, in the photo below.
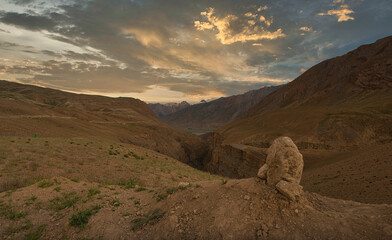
point(163, 109)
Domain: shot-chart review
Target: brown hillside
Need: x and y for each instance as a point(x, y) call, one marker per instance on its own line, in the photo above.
point(26, 110)
point(339, 113)
point(345, 100)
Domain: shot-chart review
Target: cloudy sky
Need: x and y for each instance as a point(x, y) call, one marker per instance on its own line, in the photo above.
point(174, 50)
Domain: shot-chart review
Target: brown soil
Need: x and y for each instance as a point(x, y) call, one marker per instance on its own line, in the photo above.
point(239, 209)
point(362, 175)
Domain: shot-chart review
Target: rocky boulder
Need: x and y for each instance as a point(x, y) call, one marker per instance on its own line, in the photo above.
point(283, 167)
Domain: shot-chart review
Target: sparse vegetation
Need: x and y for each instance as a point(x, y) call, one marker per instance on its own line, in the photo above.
point(45, 184)
point(92, 192)
point(66, 201)
point(115, 203)
point(139, 189)
point(161, 197)
point(11, 212)
point(151, 217)
point(35, 235)
point(129, 184)
point(171, 190)
point(81, 218)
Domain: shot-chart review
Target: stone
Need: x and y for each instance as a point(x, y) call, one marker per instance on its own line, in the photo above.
point(284, 162)
point(283, 168)
point(291, 190)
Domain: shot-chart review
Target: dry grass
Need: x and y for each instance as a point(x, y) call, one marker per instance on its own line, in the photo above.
point(25, 161)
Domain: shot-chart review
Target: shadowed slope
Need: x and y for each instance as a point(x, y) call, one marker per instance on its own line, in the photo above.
point(216, 113)
point(346, 100)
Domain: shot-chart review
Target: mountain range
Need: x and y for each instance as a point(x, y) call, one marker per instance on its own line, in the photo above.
point(216, 113)
point(164, 109)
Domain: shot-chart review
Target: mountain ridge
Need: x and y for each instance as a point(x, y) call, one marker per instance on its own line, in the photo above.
point(216, 113)
point(164, 109)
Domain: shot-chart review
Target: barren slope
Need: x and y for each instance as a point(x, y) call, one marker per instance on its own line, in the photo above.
point(346, 100)
point(26, 110)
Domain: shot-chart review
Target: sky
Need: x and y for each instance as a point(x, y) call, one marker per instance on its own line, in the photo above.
point(175, 50)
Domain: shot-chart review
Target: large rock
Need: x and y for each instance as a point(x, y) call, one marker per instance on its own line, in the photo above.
point(283, 168)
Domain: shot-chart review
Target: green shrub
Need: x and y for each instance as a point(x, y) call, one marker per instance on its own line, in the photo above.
point(115, 203)
point(140, 189)
point(161, 197)
point(171, 190)
point(45, 184)
point(66, 201)
point(81, 218)
point(92, 192)
point(10, 212)
point(35, 235)
point(130, 184)
point(151, 217)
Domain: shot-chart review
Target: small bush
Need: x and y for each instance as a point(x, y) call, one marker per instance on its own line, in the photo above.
point(224, 181)
point(33, 198)
point(127, 185)
point(67, 200)
point(171, 190)
point(151, 217)
point(92, 192)
point(80, 219)
point(140, 189)
point(35, 235)
point(161, 197)
point(45, 184)
point(115, 203)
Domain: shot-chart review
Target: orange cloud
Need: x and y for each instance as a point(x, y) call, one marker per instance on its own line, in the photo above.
point(249, 32)
point(343, 14)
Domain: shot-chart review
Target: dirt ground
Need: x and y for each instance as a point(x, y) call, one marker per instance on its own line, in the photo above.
point(236, 209)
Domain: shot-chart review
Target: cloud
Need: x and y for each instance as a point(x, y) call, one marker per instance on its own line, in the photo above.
point(343, 13)
point(231, 28)
point(124, 47)
point(23, 2)
point(306, 29)
point(27, 21)
point(261, 8)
